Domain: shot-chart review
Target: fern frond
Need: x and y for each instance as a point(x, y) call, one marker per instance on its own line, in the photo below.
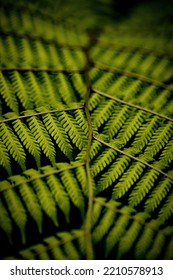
point(41, 135)
point(55, 129)
point(49, 92)
point(132, 126)
point(75, 133)
point(59, 246)
point(145, 133)
point(130, 237)
point(65, 90)
point(104, 224)
point(5, 221)
point(79, 84)
point(159, 243)
point(81, 120)
point(103, 161)
point(57, 190)
point(20, 90)
point(29, 198)
point(143, 187)
point(94, 101)
point(116, 121)
point(114, 172)
point(33, 88)
point(103, 112)
point(82, 179)
point(158, 194)
point(4, 158)
point(146, 239)
point(12, 144)
point(128, 180)
point(167, 209)
point(73, 189)
point(26, 137)
point(6, 93)
point(167, 154)
point(95, 149)
point(16, 209)
point(160, 139)
point(45, 198)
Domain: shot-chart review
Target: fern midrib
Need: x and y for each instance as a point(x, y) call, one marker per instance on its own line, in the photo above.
point(132, 75)
point(132, 105)
point(41, 176)
point(134, 158)
point(42, 113)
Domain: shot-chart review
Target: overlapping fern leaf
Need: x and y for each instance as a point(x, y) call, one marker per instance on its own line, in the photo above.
point(86, 131)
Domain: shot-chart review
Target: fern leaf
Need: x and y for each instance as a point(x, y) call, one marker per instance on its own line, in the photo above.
point(56, 131)
point(79, 84)
point(58, 191)
point(33, 88)
point(6, 93)
point(103, 112)
point(12, 144)
point(145, 133)
point(48, 88)
point(41, 135)
point(116, 121)
point(81, 121)
point(97, 210)
point(169, 250)
point(44, 196)
point(72, 187)
point(20, 90)
point(68, 246)
point(146, 239)
point(4, 158)
point(5, 221)
point(65, 90)
point(82, 179)
point(105, 223)
point(26, 137)
point(159, 243)
point(133, 126)
point(128, 180)
point(167, 209)
point(94, 101)
point(114, 172)
point(158, 194)
point(70, 126)
point(118, 230)
point(16, 209)
point(30, 200)
point(103, 161)
point(95, 149)
point(143, 187)
point(160, 139)
point(130, 237)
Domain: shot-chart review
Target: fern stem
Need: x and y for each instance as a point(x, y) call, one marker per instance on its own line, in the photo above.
point(132, 75)
point(132, 105)
point(41, 113)
point(41, 176)
point(132, 217)
point(135, 158)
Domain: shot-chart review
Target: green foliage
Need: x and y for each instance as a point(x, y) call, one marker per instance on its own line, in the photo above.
point(86, 131)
